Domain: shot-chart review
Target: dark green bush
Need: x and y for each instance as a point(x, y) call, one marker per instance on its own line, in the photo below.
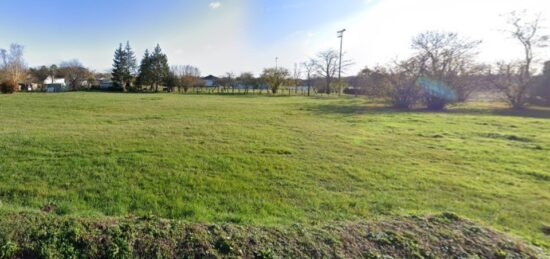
point(8, 87)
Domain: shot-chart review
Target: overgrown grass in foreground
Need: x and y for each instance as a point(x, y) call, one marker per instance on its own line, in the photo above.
point(29, 235)
point(272, 160)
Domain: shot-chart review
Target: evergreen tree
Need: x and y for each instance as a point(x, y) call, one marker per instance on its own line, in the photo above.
point(159, 67)
point(130, 66)
point(154, 69)
point(145, 72)
point(124, 66)
point(119, 62)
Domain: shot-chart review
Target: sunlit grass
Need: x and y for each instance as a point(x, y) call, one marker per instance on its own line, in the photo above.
point(273, 160)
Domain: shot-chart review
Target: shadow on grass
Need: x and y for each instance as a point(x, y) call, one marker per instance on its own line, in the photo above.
point(357, 108)
point(534, 112)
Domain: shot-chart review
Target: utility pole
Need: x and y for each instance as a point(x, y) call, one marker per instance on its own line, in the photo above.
point(341, 36)
point(276, 63)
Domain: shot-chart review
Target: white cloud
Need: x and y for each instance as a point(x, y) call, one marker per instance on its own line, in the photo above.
point(215, 5)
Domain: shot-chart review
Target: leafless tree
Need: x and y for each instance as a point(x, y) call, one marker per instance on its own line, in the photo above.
point(404, 92)
point(447, 58)
point(296, 75)
point(514, 78)
point(13, 66)
point(327, 66)
point(373, 82)
point(509, 82)
point(39, 74)
point(228, 80)
point(75, 73)
point(528, 33)
point(52, 72)
point(187, 76)
point(186, 70)
point(248, 81)
point(309, 68)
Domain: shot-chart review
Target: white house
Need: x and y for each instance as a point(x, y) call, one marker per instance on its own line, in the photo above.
point(55, 81)
point(55, 84)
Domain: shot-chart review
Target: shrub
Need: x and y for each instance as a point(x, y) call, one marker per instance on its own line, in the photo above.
point(401, 79)
point(8, 87)
point(435, 103)
point(541, 91)
point(436, 94)
point(404, 95)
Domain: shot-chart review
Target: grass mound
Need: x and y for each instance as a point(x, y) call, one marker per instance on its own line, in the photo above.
point(43, 235)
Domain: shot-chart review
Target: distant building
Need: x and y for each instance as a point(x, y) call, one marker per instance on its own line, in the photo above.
point(55, 84)
point(28, 87)
point(210, 81)
point(105, 84)
point(60, 81)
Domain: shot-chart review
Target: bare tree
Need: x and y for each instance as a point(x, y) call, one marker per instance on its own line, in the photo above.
point(528, 33)
point(75, 73)
point(510, 84)
point(514, 78)
point(227, 81)
point(187, 76)
point(13, 65)
point(373, 82)
point(52, 72)
point(247, 80)
point(39, 74)
point(309, 67)
point(327, 67)
point(296, 75)
point(402, 79)
point(446, 58)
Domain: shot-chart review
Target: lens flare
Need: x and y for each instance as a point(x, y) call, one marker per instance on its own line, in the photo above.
point(436, 88)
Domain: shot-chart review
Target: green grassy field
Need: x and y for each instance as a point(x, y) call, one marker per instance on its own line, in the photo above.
point(259, 160)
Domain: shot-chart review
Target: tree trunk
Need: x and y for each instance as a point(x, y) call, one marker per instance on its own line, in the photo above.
point(327, 87)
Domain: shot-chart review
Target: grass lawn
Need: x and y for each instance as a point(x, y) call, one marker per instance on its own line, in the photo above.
point(266, 161)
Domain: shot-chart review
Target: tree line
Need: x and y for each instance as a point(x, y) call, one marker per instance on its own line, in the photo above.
point(152, 73)
point(14, 71)
point(442, 70)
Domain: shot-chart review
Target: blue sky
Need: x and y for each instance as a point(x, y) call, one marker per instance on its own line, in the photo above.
point(236, 36)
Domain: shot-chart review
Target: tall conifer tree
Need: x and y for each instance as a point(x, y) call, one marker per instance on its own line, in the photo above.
point(154, 69)
point(130, 66)
point(124, 67)
point(144, 77)
point(160, 68)
point(119, 62)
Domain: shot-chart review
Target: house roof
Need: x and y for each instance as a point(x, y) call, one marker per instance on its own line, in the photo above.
point(209, 77)
point(55, 80)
